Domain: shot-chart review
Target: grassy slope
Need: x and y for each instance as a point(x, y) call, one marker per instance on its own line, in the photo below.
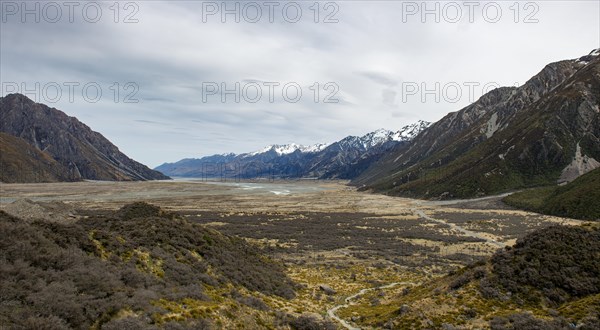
point(549, 279)
point(579, 199)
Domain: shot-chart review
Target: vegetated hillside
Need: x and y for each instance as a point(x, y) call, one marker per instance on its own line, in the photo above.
point(549, 280)
point(542, 132)
point(84, 153)
point(20, 162)
point(343, 159)
point(550, 266)
point(579, 199)
point(136, 268)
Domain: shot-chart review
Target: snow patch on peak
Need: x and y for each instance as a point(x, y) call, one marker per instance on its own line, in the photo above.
point(409, 132)
point(376, 137)
point(365, 142)
point(587, 58)
point(314, 148)
point(380, 136)
point(286, 149)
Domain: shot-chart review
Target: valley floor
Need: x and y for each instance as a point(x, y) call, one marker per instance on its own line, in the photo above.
point(334, 241)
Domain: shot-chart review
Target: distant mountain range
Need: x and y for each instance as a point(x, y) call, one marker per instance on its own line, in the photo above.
point(42, 144)
point(544, 132)
point(344, 159)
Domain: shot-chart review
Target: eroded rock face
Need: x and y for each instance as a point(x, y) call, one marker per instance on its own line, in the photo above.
point(580, 165)
point(84, 153)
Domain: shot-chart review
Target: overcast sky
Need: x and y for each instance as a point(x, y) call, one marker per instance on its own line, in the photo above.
point(376, 64)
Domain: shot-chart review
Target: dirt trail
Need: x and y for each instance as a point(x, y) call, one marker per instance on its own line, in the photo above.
point(461, 201)
point(349, 299)
point(459, 228)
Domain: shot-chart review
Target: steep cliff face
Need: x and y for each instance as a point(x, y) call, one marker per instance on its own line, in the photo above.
point(509, 138)
point(84, 153)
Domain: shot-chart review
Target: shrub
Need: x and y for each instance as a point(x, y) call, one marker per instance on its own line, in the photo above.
point(310, 322)
point(83, 274)
point(253, 302)
point(560, 262)
point(526, 321)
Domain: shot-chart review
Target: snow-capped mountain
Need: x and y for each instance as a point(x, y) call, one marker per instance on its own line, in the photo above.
point(343, 159)
point(366, 141)
point(409, 132)
point(286, 149)
point(381, 136)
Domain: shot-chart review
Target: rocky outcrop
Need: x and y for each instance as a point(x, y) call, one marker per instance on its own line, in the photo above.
point(580, 165)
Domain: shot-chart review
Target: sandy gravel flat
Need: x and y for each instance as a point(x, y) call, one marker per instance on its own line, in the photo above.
point(490, 218)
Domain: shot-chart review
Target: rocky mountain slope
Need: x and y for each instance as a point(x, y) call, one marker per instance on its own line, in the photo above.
point(83, 153)
point(20, 162)
point(343, 159)
point(543, 132)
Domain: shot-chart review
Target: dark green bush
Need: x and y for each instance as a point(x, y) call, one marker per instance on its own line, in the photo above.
point(310, 322)
point(561, 262)
point(526, 321)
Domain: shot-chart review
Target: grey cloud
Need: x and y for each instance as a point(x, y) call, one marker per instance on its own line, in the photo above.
point(380, 78)
point(170, 52)
point(149, 122)
point(159, 99)
point(389, 97)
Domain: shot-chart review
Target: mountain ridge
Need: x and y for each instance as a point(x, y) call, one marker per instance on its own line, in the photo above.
point(85, 154)
point(340, 159)
point(512, 137)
